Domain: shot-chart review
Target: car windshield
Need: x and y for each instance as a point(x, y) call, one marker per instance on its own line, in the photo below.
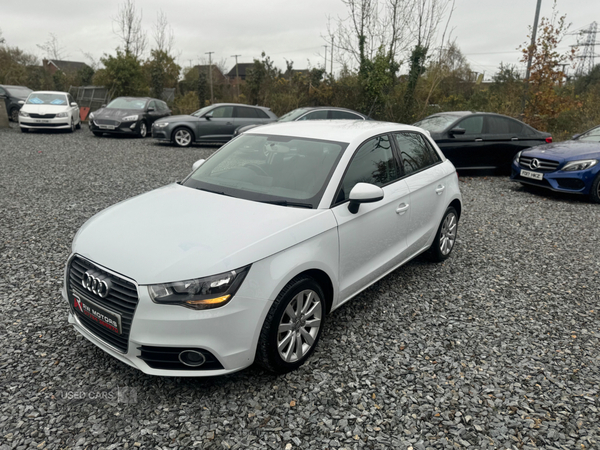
point(592, 135)
point(127, 103)
point(436, 124)
point(21, 92)
point(38, 98)
point(292, 115)
point(202, 111)
point(284, 170)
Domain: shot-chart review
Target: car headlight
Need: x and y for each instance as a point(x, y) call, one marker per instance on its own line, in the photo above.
point(201, 293)
point(64, 114)
point(130, 118)
point(161, 124)
point(518, 157)
point(23, 114)
point(580, 165)
point(91, 116)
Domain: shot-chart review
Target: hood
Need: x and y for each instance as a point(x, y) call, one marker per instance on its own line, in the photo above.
point(44, 109)
point(116, 113)
point(180, 118)
point(176, 233)
point(566, 150)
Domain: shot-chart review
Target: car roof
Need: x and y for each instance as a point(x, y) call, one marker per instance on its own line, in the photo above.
point(13, 86)
point(332, 130)
point(241, 104)
point(49, 92)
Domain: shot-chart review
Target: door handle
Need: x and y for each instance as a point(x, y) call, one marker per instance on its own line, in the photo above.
point(229, 123)
point(478, 140)
point(440, 189)
point(402, 208)
point(514, 139)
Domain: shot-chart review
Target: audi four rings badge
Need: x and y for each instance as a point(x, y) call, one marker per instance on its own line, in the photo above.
point(93, 283)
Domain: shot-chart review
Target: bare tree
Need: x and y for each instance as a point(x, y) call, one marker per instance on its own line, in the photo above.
point(163, 33)
point(92, 62)
point(2, 40)
point(127, 25)
point(52, 48)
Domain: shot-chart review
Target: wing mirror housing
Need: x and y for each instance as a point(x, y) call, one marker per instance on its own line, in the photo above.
point(364, 193)
point(74, 104)
point(151, 108)
point(198, 164)
point(576, 136)
point(21, 102)
point(457, 130)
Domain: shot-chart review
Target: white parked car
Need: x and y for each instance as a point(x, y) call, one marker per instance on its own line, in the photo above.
point(49, 110)
point(244, 259)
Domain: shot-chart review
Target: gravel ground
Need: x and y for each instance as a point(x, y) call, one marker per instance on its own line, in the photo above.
point(497, 348)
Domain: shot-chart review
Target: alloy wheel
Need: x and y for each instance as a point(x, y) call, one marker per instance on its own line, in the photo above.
point(448, 234)
point(183, 138)
point(143, 129)
point(299, 326)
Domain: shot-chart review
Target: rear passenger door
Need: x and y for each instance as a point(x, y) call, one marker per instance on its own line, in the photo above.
point(427, 178)
point(468, 149)
point(246, 115)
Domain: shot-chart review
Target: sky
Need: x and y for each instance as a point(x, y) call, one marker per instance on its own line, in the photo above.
point(487, 32)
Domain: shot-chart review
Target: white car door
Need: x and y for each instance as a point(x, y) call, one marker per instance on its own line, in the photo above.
point(427, 178)
point(372, 241)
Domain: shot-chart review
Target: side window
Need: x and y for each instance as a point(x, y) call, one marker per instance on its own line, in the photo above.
point(373, 163)
point(497, 125)
point(153, 104)
point(2, 91)
point(321, 114)
point(472, 125)
point(245, 113)
point(162, 106)
point(222, 112)
point(261, 114)
point(415, 151)
point(70, 99)
point(344, 115)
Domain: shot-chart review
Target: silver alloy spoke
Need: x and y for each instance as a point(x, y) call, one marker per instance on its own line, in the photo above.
point(290, 311)
point(299, 353)
point(307, 337)
point(313, 323)
point(285, 327)
point(308, 303)
point(285, 341)
point(299, 305)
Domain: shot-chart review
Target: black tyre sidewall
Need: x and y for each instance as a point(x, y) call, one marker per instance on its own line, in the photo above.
point(267, 354)
point(434, 252)
point(594, 192)
point(142, 123)
point(14, 112)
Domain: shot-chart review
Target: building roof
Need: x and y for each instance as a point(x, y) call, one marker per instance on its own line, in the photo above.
point(68, 66)
point(242, 69)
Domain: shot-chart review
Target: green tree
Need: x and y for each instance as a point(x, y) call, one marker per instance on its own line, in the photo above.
point(161, 72)
point(122, 75)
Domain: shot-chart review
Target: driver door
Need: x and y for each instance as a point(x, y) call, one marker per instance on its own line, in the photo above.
point(218, 125)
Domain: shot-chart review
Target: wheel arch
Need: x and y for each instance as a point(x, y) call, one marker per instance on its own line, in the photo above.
point(457, 205)
point(186, 127)
point(324, 281)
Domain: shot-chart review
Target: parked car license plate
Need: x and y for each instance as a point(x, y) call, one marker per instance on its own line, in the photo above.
point(97, 313)
point(107, 127)
point(532, 175)
point(42, 121)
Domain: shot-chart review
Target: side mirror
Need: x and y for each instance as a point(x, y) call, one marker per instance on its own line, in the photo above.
point(457, 130)
point(198, 164)
point(207, 117)
point(74, 104)
point(103, 106)
point(151, 108)
point(576, 136)
point(21, 102)
point(364, 193)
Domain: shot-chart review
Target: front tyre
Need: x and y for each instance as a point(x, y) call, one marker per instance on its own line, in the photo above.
point(445, 238)
point(143, 130)
point(14, 114)
point(292, 327)
point(595, 191)
point(182, 137)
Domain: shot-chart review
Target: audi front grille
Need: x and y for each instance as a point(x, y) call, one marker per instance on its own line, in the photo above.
point(545, 165)
point(122, 299)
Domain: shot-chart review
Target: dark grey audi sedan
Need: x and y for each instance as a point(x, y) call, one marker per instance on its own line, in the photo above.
point(214, 123)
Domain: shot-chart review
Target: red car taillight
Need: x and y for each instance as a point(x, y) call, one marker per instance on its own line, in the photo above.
point(549, 140)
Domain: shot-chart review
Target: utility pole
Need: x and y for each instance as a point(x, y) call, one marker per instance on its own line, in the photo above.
point(237, 74)
point(210, 75)
point(530, 56)
point(325, 66)
point(331, 71)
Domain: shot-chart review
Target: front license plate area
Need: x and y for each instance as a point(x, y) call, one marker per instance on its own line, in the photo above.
point(107, 127)
point(532, 175)
point(42, 121)
point(97, 313)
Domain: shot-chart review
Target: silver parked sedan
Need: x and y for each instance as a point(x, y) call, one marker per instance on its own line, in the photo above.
point(214, 123)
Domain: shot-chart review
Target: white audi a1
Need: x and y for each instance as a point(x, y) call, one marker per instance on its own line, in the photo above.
point(244, 259)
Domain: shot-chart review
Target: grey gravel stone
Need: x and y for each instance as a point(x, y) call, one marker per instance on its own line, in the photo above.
point(497, 348)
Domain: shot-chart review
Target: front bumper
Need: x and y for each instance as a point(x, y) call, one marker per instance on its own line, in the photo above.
point(161, 134)
point(60, 123)
point(130, 128)
point(230, 334)
point(575, 182)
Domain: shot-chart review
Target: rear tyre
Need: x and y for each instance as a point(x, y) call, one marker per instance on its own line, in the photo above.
point(182, 137)
point(595, 192)
point(292, 327)
point(143, 130)
point(24, 130)
point(445, 238)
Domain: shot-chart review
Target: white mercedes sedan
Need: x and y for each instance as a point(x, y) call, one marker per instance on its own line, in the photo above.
point(244, 259)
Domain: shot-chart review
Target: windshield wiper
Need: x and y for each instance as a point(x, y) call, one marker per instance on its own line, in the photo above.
point(214, 192)
point(286, 203)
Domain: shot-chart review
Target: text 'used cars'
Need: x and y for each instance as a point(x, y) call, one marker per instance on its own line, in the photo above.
point(245, 258)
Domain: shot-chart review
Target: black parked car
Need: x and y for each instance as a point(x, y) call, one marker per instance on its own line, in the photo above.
point(214, 123)
point(128, 115)
point(12, 95)
point(475, 140)
point(313, 113)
